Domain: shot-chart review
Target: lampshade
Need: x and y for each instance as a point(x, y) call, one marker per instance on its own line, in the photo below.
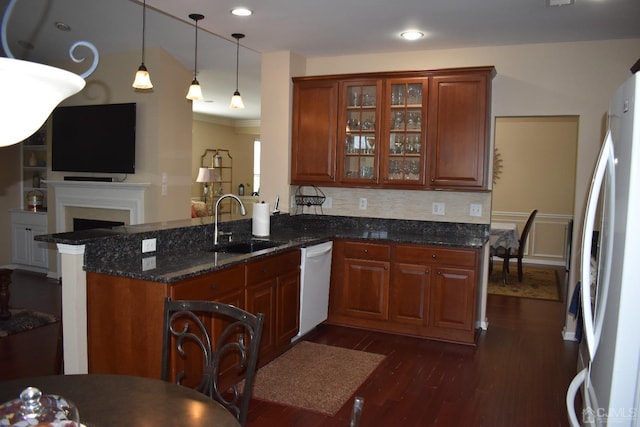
point(236, 101)
point(142, 79)
point(30, 91)
point(206, 175)
point(195, 91)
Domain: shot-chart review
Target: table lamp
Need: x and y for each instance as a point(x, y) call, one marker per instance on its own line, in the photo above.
point(207, 176)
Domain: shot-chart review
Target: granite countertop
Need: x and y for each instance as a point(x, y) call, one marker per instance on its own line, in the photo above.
point(184, 246)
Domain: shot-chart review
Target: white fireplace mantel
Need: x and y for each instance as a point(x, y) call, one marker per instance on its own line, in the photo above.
point(127, 196)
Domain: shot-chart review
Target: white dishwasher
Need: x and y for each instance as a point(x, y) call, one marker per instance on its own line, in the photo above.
point(315, 272)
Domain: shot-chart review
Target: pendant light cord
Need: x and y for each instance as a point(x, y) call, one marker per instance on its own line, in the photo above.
point(195, 69)
point(144, 25)
point(237, 60)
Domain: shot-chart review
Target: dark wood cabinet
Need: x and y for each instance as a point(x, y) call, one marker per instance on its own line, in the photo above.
point(314, 130)
point(273, 288)
point(404, 130)
point(410, 295)
point(458, 127)
point(359, 289)
point(426, 291)
point(125, 316)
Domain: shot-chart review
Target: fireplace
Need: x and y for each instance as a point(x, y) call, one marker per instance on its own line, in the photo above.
point(118, 201)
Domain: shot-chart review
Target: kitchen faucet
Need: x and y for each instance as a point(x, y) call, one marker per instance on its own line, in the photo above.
point(243, 212)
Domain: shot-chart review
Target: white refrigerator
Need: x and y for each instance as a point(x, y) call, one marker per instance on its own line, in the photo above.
point(609, 365)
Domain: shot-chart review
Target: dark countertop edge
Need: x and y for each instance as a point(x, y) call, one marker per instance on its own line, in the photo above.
point(230, 260)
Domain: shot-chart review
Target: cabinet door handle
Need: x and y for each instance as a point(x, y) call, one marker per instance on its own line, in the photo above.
point(439, 273)
point(426, 272)
point(366, 251)
point(434, 256)
point(213, 286)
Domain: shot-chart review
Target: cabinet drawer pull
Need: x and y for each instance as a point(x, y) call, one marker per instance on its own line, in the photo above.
point(213, 286)
point(366, 251)
point(439, 273)
point(434, 256)
point(426, 272)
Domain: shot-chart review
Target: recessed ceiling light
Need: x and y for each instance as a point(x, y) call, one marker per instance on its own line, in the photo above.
point(242, 11)
point(411, 35)
point(62, 26)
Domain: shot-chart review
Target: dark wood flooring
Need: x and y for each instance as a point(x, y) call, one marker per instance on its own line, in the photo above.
point(516, 376)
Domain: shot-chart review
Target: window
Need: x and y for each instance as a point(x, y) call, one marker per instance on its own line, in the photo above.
point(256, 166)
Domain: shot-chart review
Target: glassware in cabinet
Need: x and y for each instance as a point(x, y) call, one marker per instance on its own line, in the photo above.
point(405, 112)
point(360, 115)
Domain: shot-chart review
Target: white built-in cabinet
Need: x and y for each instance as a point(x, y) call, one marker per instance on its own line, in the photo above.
point(27, 253)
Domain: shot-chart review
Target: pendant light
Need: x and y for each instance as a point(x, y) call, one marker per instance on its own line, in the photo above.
point(236, 99)
point(195, 92)
point(142, 80)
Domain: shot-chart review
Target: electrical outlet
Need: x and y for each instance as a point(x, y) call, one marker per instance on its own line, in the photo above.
point(328, 203)
point(148, 245)
point(475, 209)
point(363, 203)
point(437, 208)
point(148, 263)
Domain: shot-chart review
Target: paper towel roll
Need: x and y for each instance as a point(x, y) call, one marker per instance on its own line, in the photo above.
point(261, 219)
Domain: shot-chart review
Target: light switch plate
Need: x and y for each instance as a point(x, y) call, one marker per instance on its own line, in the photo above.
point(363, 203)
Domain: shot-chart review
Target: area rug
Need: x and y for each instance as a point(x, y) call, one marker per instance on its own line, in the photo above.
point(538, 283)
point(316, 377)
point(23, 320)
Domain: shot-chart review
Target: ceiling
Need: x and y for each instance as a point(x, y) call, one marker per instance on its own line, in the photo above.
point(309, 28)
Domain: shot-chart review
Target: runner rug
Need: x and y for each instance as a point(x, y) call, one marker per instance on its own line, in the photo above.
point(24, 320)
point(316, 377)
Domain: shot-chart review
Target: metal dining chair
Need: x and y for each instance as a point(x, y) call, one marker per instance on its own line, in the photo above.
point(213, 348)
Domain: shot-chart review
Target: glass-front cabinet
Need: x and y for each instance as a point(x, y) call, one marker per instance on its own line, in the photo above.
point(384, 132)
point(361, 123)
point(405, 140)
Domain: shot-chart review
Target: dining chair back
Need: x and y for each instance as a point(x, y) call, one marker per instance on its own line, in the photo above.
point(500, 252)
point(213, 348)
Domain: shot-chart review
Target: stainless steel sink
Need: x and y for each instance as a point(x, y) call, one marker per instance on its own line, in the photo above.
point(246, 247)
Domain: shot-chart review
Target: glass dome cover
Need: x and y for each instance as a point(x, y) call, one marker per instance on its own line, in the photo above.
point(35, 409)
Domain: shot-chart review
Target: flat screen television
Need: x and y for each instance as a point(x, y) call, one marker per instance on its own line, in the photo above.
point(94, 138)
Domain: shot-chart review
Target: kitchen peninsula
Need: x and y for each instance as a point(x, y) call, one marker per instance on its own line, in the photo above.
point(412, 277)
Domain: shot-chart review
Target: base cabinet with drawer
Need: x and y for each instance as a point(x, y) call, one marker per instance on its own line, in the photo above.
point(426, 291)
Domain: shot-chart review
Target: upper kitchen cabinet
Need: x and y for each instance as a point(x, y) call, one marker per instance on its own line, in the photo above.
point(406, 130)
point(314, 132)
point(458, 129)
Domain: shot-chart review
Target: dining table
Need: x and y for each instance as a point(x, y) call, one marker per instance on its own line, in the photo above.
point(122, 400)
point(505, 235)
